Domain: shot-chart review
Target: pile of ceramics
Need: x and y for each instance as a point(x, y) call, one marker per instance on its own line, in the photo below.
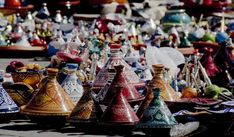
point(119, 72)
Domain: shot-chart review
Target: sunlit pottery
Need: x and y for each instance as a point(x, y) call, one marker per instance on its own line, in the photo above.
point(8, 108)
point(106, 74)
point(72, 84)
point(157, 118)
point(158, 81)
point(30, 77)
point(175, 17)
point(50, 105)
point(87, 111)
point(20, 92)
point(128, 91)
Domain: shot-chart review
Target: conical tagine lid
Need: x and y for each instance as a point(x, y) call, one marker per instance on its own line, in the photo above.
point(7, 105)
point(127, 90)
point(50, 100)
point(119, 111)
point(157, 115)
point(86, 110)
point(103, 76)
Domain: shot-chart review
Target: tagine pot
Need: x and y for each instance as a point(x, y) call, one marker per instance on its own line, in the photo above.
point(128, 90)
point(168, 94)
point(31, 78)
point(157, 119)
point(8, 108)
point(72, 84)
point(119, 115)
point(50, 105)
point(86, 113)
point(106, 74)
point(20, 92)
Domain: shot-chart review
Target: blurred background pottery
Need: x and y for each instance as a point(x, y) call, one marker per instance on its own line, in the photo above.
point(175, 17)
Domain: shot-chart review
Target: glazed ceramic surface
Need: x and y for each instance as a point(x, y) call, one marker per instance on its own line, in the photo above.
point(168, 93)
point(176, 17)
point(72, 84)
point(20, 92)
point(157, 115)
point(128, 90)
point(7, 105)
point(119, 112)
point(105, 76)
point(86, 110)
point(31, 78)
point(50, 100)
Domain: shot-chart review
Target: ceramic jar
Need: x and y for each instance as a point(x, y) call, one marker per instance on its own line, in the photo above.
point(72, 84)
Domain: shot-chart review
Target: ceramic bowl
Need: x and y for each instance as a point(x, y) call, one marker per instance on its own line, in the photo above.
point(176, 17)
point(30, 77)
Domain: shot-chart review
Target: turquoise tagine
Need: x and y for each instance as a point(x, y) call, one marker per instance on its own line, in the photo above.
point(157, 115)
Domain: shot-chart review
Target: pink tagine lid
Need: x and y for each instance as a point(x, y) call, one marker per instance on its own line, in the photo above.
point(106, 74)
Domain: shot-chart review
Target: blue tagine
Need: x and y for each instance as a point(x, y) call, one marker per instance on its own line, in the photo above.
point(157, 117)
point(8, 108)
point(72, 84)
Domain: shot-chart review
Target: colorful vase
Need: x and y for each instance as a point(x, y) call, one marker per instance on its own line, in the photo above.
point(50, 104)
point(128, 90)
point(157, 115)
point(72, 84)
point(87, 111)
point(106, 75)
point(7, 106)
point(158, 81)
